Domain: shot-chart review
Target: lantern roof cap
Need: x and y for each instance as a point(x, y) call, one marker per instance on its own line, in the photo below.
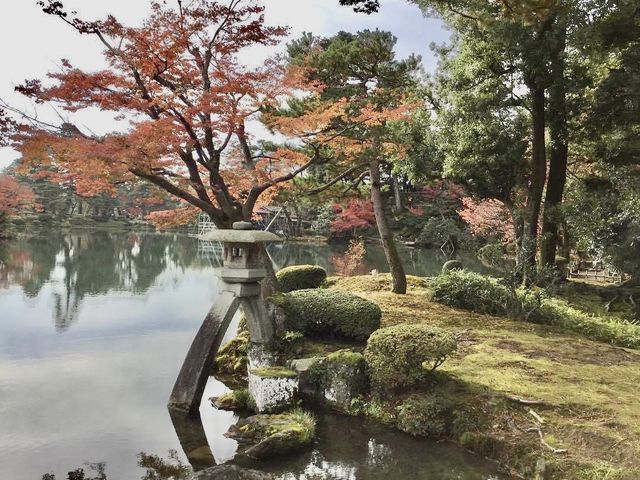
point(240, 236)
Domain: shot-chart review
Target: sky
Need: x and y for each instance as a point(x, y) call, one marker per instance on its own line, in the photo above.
point(33, 43)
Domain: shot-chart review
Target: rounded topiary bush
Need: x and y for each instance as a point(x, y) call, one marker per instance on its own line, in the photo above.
point(452, 265)
point(321, 312)
point(425, 416)
point(300, 277)
point(404, 355)
point(471, 291)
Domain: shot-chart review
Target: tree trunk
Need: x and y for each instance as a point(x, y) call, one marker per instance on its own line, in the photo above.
point(396, 192)
point(518, 228)
point(398, 276)
point(558, 154)
point(537, 180)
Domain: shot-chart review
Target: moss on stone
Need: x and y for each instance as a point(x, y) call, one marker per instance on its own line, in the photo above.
point(274, 372)
point(232, 357)
point(270, 435)
point(232, 400)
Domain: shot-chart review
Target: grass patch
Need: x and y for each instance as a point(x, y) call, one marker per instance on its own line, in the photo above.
point(484, 294)
point(595, 386)
point(272, 435)
point(557, 312)
point(372, 283)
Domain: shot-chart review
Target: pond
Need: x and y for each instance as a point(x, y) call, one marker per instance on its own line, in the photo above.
point(93, 330)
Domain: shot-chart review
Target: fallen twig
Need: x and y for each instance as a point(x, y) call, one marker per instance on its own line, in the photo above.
point(525, 401)
point(607, 306)
point(514, 426)
point(542, 440)
point(536, 416)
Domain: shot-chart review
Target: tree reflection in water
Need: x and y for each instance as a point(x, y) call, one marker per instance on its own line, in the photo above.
point(156, 468)
point(91, 264)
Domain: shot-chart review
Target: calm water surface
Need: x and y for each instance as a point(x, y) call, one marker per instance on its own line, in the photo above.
point(93, 331)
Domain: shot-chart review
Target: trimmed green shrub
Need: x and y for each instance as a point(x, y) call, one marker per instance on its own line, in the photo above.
point(471, 291)
point(484, 294)
point(452, 265)
point(553, 311)
point(425, 416)
point(300, 277)
point(404, 355)
point(322, 313)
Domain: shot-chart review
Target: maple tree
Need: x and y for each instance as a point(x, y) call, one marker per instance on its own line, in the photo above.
point(357, 214)
point(14, 198)
point(7, 127)
point(489, 218)
point(350, 262)
point(189, 100)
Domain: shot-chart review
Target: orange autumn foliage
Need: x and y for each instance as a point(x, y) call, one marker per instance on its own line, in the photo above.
point(14, 197)
point(189, 100)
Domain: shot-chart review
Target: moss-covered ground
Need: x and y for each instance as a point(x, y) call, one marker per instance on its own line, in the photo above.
point(586, 393)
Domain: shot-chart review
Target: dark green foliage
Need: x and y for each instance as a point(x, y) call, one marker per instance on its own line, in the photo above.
point(493, 255)
point(404, 355)
point(552, 311)
point(322, 313)
point(425, 416)
point(452, 265)
point(484, 294)
point(439, 230)
point(471, 291)
point(300, 277)
point(364, 6)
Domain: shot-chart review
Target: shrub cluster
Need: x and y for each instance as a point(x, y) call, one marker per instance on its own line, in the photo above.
point(323, 313)
point(471, 291)
point(452, 265)
point(484, 294)
point(300, 277)
point(425, 416)
point(553, 311)
point(403, 355)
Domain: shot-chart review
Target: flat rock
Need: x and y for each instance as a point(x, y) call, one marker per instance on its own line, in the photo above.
point(230, 472)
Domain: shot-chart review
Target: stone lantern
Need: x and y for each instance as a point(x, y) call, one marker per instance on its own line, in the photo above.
point(240, 275)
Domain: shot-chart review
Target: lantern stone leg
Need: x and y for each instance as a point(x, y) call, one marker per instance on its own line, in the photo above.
point(239, 286)
point(192, 379)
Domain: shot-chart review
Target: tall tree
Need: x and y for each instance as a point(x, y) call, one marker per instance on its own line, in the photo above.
point(360, 73)
point(526, 40)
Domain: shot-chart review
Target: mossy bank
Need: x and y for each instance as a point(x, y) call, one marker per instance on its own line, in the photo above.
point(544, 402)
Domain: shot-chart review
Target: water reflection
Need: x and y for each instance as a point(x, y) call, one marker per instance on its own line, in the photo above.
point(353, 449)
point(156, 468)
point(91, 264)
point(92, 384)
point(81, 265)
point(193, 439)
